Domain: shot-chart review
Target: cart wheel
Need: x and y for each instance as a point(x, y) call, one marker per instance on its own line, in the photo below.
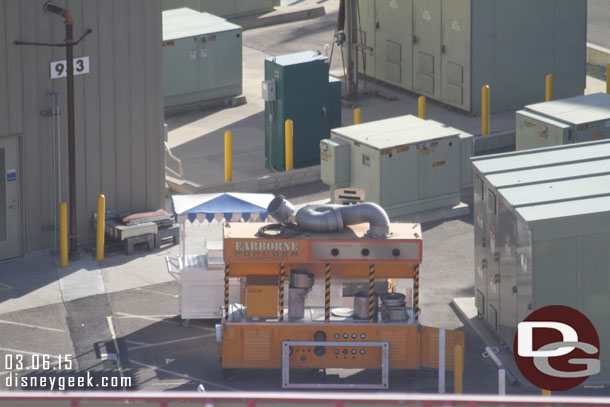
point(320, 374)
point(229, 374)
point(185, 322)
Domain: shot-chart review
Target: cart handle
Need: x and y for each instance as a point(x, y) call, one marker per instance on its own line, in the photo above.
point(174, 274)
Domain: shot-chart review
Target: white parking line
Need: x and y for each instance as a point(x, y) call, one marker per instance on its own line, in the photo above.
point(135, 342)
point(182, 375)
point(26, 352)
point(149, 317)
point(167, 384)
point(159, 318)
point(31, 326)
point(116, 346)
point(157, 292)
point(172, 341)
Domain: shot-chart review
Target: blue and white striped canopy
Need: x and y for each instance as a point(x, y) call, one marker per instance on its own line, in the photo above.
point(230, 206)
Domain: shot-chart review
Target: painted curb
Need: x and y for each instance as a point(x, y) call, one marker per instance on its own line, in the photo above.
point(275, 181)
point(597, 55)
point(269, 182)
point(232, 101)
point(279, 16)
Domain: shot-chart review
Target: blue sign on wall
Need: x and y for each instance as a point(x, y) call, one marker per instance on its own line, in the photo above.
point(11, 175)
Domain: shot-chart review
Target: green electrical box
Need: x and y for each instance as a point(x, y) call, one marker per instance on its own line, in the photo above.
point(202, 57)
point(298, 87)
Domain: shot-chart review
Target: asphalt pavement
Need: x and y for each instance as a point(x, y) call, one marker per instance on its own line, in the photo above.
point(156, 352)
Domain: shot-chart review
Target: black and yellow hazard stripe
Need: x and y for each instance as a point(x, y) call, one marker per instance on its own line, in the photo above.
point(327, 294)
point(416, 294)
point(281, 291)
point(226, 292)
point(372, 292)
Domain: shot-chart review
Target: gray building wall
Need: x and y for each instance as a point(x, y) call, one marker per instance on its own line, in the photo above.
point(118, 108)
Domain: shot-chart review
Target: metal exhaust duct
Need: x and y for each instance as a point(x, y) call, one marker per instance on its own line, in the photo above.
point(333, 218)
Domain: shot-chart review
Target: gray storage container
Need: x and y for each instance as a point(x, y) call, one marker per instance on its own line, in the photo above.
point(542, 234)
point(405, 164)
point(202, 57)
point(565, 121)
point(448, 49)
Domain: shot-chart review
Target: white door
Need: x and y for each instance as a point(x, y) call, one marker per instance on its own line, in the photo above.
point(427, 47)
point(10, 178)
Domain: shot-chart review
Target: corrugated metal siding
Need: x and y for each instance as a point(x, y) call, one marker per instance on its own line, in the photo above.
point(118, 105)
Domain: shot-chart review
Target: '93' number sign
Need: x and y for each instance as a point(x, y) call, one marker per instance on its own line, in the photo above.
point(59, 68)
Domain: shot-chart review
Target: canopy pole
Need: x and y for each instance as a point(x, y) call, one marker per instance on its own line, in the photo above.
point(182, 240)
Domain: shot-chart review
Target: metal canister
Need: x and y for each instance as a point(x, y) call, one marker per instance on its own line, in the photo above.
point(301, 278)
point(361, 305)
point(296, 302)
point(393, 299)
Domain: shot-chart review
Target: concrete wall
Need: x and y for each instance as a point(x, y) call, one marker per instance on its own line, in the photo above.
point(119, 109)
point(223, 8)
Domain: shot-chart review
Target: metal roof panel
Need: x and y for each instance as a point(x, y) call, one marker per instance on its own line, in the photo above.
point(185, 23)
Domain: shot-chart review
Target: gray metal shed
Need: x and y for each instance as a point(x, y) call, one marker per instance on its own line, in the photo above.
point(448, 49)
point(202, 57)
point(119, 116)
point(542, 236)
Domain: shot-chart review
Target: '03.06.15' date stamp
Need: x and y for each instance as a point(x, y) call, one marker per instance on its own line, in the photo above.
point(37, 361)
point(55, 372)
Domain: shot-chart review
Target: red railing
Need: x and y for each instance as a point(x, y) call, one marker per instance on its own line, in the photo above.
point(252, 399)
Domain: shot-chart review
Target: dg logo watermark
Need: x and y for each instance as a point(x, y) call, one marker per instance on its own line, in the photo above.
point(557, 348)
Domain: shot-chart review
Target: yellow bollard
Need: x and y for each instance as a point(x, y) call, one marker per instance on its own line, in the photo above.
point(288, 144)
point(101, 227)
point(63, 235)
point(357, 116)
point(549, 87)
point(546, 392)
point(608, 79)
point(458, 369)
point(485, 110)
point(228, 156)
point(421, 107)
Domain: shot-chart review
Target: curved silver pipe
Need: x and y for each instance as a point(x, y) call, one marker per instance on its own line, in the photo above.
point(333, 218)
point(369, 212)
point(320, 218)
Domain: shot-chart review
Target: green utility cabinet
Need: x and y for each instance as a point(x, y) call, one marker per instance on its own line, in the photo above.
point(448, 49)
point(405, 164)
point(298, 87)
point(564, 121)
point(202, 57)
point(541, 236)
